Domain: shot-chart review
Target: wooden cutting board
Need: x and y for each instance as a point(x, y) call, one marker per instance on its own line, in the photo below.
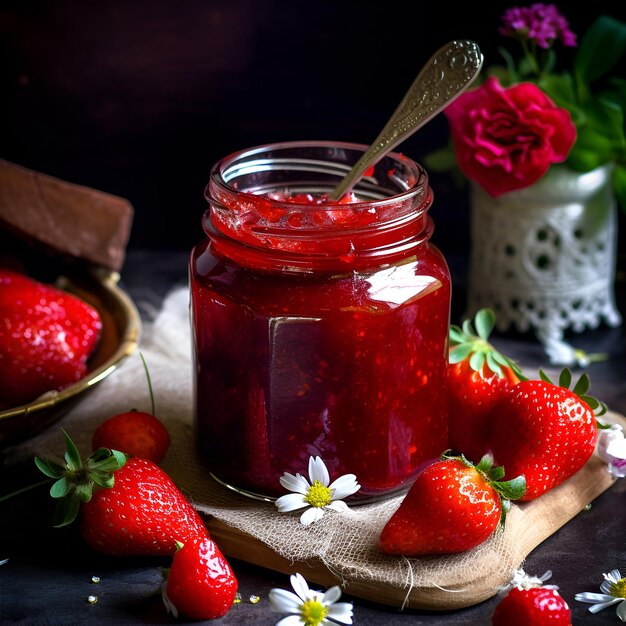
point(528, 524)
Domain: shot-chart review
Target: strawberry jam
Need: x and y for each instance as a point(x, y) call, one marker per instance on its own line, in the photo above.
point(320, 327)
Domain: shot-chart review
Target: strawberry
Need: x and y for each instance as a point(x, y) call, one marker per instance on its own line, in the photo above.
point(135, 433)
point(46, 337)
point(200, 584)
point(452, 506)
point(477, 376)
point(531, 603)
point(127, 506)
point(545, 431)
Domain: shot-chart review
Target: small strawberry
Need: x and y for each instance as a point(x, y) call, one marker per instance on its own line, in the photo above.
point(127, 506)
point(46, 337)
point(452, 506)
point(530, 603)
point(545, 431)
point(200, 584)
point(135, 433)
point(477, 375)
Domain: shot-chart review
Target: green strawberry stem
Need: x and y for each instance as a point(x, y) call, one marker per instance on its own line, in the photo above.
point(508, 490)
point(145, 367)
point(17, 492)
point(470, 341)
point(76, 479)
point(581, 387)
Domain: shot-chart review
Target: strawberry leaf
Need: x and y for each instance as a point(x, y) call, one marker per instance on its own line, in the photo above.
point(496, 473)
point(66, 512)
point(493, 365)
point(565, 379)
point(582, 386)
point(511, 489)
point(477, 360)
point(456, 334)
point(60, 488)
point(49, 468)
point(72, 456)
point(484, 321)
point(459, 353)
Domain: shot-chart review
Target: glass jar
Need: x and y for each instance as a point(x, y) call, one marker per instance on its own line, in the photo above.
point(319, 329)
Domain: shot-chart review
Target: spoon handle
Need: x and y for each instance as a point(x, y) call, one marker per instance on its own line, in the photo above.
point(446, 75)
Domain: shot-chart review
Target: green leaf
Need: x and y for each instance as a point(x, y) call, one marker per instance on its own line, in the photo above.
point(565, 378)
point(510, 65)
point(582, 386)
point(560, 87)
point(496, 473)
point(103, 479)
point(72, 456)
point(493, 365)
point(459, 353)
point(468, 329)
point(485, 464)
point(49, 468)
point(512, 489)
point(600, 49)
point(60, 488)
point(442, 160)
point(477, 360)
point(484, 321)
point(66, 512)
point(456, 334)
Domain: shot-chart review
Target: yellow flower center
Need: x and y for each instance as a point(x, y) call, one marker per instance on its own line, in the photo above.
point(319, 495)
point(618, 589)
point(313, 612)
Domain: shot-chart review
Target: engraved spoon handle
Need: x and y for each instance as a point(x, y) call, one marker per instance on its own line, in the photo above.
point(446, 75)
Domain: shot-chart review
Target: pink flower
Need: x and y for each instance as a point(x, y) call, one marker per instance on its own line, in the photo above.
point(541, 23)
point(506, 139)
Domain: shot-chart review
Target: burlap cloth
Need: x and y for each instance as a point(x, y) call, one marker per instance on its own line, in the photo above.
point(342, 546)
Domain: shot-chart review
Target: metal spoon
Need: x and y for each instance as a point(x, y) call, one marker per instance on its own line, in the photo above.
point(446, 75)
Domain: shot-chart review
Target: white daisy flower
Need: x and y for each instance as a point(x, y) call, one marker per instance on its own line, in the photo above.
point(316, 492)
point(613, 590)
point(612, 449)
point(308, 607)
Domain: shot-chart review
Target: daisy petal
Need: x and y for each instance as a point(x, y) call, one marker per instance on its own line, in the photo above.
point(283, 601)
point(587, 596)
point(614, 576)
point(300, 586)
point(311, 515)
point(605, 586)
point(338, 505)
point(332, 595)
point(318, 471)
point(290, 502)
point(344, 486)
point(599, 607)
point(297, 483)
point(621, 611)
point(341, 612)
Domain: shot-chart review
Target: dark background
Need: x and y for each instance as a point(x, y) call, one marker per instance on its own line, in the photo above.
point(139, 98)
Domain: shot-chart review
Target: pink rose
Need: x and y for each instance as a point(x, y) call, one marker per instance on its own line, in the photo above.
point(506, 139)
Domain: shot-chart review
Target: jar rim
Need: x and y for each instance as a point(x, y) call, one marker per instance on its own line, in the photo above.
point(219, 175)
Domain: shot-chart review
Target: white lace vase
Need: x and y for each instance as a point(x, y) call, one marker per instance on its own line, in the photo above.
point(544, 257)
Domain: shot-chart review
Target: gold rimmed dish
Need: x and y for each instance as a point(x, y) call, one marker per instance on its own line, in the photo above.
point(121, 329)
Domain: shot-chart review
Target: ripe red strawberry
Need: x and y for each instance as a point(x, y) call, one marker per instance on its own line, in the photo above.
point(46, 337)
point(452, 506)
point(477, 375)
point(135, 433)
point(545, 431)
point(127, 507)
point(536, 605)
point(200, 584)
